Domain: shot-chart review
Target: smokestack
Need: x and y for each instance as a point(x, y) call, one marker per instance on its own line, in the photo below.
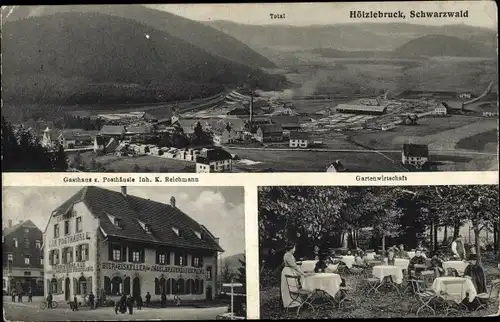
point(172, 201)
point(124, 191)
point(251, 107)
point(10, 223)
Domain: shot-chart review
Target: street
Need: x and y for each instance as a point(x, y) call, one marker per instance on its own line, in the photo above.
point(31, 312)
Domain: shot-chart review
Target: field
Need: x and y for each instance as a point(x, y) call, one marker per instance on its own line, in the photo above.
point(485, 141)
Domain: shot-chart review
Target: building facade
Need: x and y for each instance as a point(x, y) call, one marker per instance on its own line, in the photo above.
point(269, 133)
point(112, 243)
point(441, 110)
point(299, 140)
point(214, 160)
point(22, 260)
point(415, 154)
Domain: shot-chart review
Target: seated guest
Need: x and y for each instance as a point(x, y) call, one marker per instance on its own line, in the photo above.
point(391, 258)
point(316, 252)
point(437, 266)
point(475, 272)
point(321, 265)
point(417, 259)
point(401, 252)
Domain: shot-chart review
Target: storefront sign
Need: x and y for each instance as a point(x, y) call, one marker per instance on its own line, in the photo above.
point(151, 268)
point(71, 268)
point(69, 239)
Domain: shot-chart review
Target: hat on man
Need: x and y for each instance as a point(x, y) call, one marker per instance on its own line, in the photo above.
point(472, 257)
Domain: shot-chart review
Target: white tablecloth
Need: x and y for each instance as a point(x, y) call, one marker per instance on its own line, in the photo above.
point(308, 266)
point(348, 260)
point(456, 287)
point(460, 266)
point(328, 282)
point(401, 262)
point(370, 256)
point(412, 254)
point(381, 271)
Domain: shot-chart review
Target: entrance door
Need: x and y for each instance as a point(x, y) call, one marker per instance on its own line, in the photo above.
point(209, 293)
point(136, 287)
point(67, 294)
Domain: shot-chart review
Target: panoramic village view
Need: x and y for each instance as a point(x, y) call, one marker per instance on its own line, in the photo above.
point(122, 89)
point(123, 253)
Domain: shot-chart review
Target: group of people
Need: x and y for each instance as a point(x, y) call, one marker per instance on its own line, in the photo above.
point(127, 303)
point(91, 302)
point(20, 295)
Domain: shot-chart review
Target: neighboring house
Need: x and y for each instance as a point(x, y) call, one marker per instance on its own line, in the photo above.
point(214, 160)
point(49, 138)
point(490, 110)
point(112, 131)
point(269, 133)
point(71, 138)
point(336, 166)
point(490, 113)
point(111, 243)
point(22, 258)
point(441, 110)
point(464, 95)
point(299, 140)
point(415, 154)
point(289, 123)
point(224, 135)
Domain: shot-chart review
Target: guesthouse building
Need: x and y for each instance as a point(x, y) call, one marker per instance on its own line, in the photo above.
point(299, 140)
point(415, 154)
point(214, 160)
point(112, 243)
point(269, 133)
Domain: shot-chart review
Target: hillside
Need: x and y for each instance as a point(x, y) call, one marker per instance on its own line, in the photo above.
point(439, 45)
point(77, 58)
point(232, 261)
point(355, 36)
point(196, 33)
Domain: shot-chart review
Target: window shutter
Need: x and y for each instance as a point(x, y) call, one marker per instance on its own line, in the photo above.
point(76, 287)
point(124, 253)
point(89, 284)
point(110, 252)
point(51, 257)
point(157, 287)
point(168, 258)
point(201, 261)
point(176, 259)
point(185, 260)
point(130, 254)
point(157, 260)
point(142, 255)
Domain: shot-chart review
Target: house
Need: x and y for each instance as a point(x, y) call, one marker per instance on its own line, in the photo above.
point(361, 109)
point(441, 109)
point(71, 138)
point(336, 166)
point(415, 154)
point(490, 110)
point(214, 160)
point(299, 140)
point(113, 131)
point(112, 243)
point(269, 133)
point(224, 134)
point(22, 258)
point(49, 138)
point(464, 95)
point(289, 123)
point(369, 101)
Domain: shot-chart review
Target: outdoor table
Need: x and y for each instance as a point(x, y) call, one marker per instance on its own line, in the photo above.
point(402, 263)
point(458, 265)
point(348, 260)
point(381, 271)
point(370, 256)
point(327, 282)
point(455, 287)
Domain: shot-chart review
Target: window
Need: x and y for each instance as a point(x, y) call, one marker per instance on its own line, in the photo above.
point(26, 243)
point(209, 273)
point(117, 222)
point(67, 255)
point(53, 286)
point(180, 259)
point(27, 273)
point(78, 224)
point(82, 252)
point(196, 261)
point(10, 257)
point(38, 244)
point(66, 227)
point(147, 228)
point(26, 260)
point(41, 261)
point(117, 254)
point(54, 257)
point(116, 285)
point(26, 230)
point(82, 285)
point(15, 242)
point(161, 259)
point(56, 231)
point(136, 256)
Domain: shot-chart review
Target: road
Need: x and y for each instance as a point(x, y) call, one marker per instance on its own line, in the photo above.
point(30, 312)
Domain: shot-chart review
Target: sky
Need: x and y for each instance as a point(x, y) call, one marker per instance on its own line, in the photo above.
point(220, 209)
point(481, 13)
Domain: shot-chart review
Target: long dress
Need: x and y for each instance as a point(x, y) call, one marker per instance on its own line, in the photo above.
point(478, 278)
point(290, 268)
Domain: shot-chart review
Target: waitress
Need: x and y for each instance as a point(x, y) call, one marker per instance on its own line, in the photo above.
point(290, 268)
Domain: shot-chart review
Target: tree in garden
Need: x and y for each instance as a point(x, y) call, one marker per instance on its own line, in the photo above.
point(60, 160)
point(227, 275)
point(242, 271)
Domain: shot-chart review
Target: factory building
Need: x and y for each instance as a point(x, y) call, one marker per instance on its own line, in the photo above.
point(361, 109)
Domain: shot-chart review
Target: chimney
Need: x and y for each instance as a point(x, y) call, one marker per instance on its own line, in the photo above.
point(217, 240)
point(251, 107)
point(10, 223)
point(172, 201)
point(124, 191)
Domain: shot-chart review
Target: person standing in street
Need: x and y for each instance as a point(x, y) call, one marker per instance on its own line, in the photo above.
point(91, 300)
point(20, 297)
point(148, 299)
point(130, 304)
point(30, 295)
point(163, 299)
point(74, 307)
point(13, 294)
point(49, 301)
point(139, 302)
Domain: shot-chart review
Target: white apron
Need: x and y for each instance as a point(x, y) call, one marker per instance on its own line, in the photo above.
point(285, 294)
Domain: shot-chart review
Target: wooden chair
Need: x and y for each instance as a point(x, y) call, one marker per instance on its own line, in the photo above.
point(425, 297)
point(373, 284)
point(344, 294)
point(297, 293)
point(488, 298)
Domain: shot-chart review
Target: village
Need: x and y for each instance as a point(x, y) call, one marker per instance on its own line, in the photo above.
point(209, 137)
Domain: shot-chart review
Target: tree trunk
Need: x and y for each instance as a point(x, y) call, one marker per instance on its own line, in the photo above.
point(383, 242)
point(435, 237)
point(456, 230)
point(445, 237)
point(431, 234)
point(345, 240)
point(477, 245)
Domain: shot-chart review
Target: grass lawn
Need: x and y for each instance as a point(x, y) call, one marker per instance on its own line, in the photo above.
point(385, 304)
point(480, 142)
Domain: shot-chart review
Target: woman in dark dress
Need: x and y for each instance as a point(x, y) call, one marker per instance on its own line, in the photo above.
point(475, 272)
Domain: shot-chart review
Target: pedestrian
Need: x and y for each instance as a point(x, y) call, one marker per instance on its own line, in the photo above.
point(49, 301)
point(130, 304)
point(20, 297)
point(30, 295)
point(13, 294)
point(148, 299)
point(123, 304)
point(163, 299)
point(91, 300)
point(139, 302)
point(75, 304)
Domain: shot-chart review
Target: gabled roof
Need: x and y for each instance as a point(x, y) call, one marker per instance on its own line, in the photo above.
point(112, 129)
point(72, 134)
point(338, 166)
point(141, 129)
point(25, 224)
point(271, 129)
point(361, 108)
point(214, 154)
point(162, 217)
point(299, 136)
point(415, 150)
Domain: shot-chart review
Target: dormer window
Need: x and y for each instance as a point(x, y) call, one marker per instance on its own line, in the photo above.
point(147, 227)
point(198, 234)
point(115, 220)
point(176, 231)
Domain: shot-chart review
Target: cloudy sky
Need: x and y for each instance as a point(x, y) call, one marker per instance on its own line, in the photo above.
point(481, 13)
point(220, 209)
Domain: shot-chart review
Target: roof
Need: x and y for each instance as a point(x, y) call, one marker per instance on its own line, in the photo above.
point(299, 136)
point(415, 150)
point(285, 119)
point(162, 217)
point(338, 166)
point(70, 134)
point(53, 135)
point(271, 129)
point(214, 154)
point(113, 129)
point(141, 129)
point(27, 223)
point(364, 108)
